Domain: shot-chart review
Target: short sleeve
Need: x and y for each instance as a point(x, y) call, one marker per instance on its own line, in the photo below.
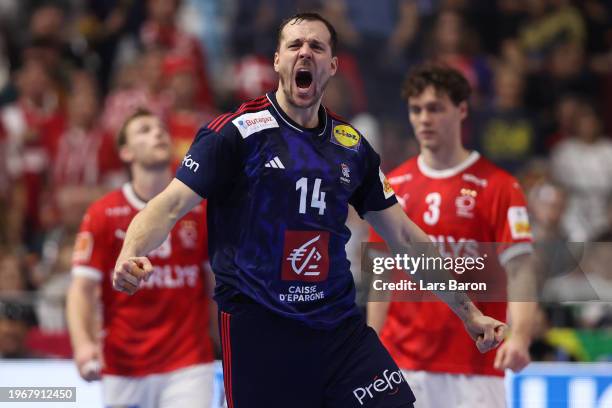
point(90, 255)
point(374, 193)
point(511, 221)
point(211, 162)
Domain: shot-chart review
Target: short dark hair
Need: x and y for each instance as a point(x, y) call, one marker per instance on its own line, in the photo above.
point(138, 113)
point(443, 78)
point(299, 17)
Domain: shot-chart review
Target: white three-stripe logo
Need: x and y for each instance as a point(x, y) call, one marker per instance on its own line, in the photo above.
point(275, 163)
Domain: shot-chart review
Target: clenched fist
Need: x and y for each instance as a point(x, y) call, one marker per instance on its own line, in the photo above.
point(486, 331)
point(130, 272)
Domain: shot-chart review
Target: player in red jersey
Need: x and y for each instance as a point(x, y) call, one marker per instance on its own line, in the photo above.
point(459, 199)
point(162, 357)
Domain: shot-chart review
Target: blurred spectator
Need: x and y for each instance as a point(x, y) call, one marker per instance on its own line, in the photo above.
point(606, 234)
point(505, 131)
point(13, 278)
point(51, 41)
point(566, 116)
point(138, 84)
point(453, 43)
point(546, 206)
point(253, 76)
point(500, 24)
point(186, 115)
point(565, 73)
point(378, 35)
point(551, 21)
point(161, 32)
point(55, 270)
point(87, 164)
point(32, 127)
point(256, 23)
point(103, 25)
point(16, 318)
point(583, 166)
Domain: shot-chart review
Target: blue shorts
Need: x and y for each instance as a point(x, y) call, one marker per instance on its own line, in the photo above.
point(270, 361)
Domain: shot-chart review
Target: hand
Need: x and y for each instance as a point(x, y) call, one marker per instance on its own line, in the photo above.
point(87, 359)
point(130, 272)
point(513, 354)
point(486, 331)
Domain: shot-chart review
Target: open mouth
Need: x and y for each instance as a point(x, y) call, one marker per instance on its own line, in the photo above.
point(303, 79)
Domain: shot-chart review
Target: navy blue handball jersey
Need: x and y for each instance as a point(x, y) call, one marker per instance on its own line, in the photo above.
point(278, 198)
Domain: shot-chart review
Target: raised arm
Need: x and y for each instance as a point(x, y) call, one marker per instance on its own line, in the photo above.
point(399, 232)
point(148, 230)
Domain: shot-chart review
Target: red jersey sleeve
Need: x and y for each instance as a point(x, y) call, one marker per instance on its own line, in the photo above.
point(511, 220)
point(90, 255)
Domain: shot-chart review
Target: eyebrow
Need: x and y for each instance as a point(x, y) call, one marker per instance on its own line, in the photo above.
point(313, 41)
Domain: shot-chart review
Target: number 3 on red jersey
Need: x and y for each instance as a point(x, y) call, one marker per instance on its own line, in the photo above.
point(432, 215)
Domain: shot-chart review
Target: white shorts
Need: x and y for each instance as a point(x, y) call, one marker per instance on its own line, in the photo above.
point(435, 390)
point(187, 387)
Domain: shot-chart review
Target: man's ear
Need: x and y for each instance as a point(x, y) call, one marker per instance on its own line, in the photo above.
point(276, 61)
point(125, 154)
point(463, 110)
point(334, 65)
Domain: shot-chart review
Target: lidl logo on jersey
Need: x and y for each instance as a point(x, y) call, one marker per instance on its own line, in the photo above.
point(305, 256)
point(518, 219)
point(346, 136)
point(250, 123)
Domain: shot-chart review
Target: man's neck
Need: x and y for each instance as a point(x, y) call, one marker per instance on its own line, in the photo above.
point(148, 183)
point(305, 117)
point(442, 159)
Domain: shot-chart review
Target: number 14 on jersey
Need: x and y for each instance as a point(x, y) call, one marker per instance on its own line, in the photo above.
point(318, 197)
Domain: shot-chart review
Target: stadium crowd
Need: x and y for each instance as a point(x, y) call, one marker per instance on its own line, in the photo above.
point(71, 71)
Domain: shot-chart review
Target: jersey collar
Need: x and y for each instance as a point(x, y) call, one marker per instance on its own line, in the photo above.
point(446, 173)
point(291, 123)
point(131, 197)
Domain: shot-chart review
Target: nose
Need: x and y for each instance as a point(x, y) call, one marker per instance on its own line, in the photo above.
point(305, 51)
point(424, 116)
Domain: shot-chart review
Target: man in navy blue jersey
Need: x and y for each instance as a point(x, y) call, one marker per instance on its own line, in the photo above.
point(279, 174)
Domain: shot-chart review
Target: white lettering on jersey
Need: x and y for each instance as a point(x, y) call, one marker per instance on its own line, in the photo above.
point(432, 215)
point(118, 211)
point(190, 163)
point(172, 277)
point(450, 247)
point(400, 179)
point(388, 383)
point(473, 179)
point(250, 123)
point(518, 220)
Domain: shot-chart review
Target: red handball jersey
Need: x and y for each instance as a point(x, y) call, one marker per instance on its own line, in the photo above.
point(164, 326)
point(458, 208)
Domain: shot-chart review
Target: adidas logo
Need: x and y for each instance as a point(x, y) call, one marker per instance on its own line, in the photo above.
point(275, 163)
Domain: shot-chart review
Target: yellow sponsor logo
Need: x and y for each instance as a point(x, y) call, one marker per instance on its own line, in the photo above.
point(346, 136)
point(522, 228)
